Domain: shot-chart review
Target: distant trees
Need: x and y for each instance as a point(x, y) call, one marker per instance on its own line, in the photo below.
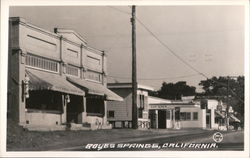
point(174, 91)
point(226, 86)
point(215, 87)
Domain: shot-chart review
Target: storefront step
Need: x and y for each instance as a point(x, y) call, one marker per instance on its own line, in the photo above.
point(76, 127)
point(101, 126)
point(45, 128)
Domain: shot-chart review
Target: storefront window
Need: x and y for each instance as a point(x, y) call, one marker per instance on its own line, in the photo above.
point(111, 114)
point(95, 106)
point(195, 115)
point(140, 113)
point(185, 116)
point(44, 100)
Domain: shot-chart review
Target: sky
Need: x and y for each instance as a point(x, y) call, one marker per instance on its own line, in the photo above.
point(209, 38)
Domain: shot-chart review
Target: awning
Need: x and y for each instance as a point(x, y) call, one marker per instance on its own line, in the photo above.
point(40, 80)
point(95, 89)
point(218, 113)
point(234, 119)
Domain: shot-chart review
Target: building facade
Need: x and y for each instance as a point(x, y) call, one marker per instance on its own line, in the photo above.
point(204, 113)
point(55, 80)
point(120, 113)
point(158, 113)
point(175, 114)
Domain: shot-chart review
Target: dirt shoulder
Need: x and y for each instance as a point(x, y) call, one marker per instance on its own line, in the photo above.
point(19, 139)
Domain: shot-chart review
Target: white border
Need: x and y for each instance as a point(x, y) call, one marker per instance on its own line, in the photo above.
point(3, 78)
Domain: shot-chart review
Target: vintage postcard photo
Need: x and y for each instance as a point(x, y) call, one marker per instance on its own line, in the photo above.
point(136, 79)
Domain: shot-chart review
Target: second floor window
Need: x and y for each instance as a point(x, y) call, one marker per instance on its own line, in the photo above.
point(141, 101)
point(94, 76)
point(72, 70)
point(41, 63)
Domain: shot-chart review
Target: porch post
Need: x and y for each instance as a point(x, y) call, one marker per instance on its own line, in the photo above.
point(212, 118)
point(156, 119)
point(173, 121)
point(84, 113)
point(105, 113)
point(64, 114)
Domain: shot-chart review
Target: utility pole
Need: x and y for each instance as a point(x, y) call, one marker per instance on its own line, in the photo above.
point(227, 109)
point(134, 77)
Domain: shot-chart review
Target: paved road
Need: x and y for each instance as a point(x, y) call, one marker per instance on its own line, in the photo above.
point(232, 141)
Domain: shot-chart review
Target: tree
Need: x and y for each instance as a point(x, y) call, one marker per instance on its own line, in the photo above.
point(175, 91)
point(226, 86)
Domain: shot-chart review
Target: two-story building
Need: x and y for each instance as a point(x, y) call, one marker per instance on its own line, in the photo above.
point(55, 80)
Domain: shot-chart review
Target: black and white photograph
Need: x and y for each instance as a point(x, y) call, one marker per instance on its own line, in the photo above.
point(128, 79)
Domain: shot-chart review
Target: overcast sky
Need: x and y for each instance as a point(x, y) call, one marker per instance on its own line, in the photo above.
point(210, 38)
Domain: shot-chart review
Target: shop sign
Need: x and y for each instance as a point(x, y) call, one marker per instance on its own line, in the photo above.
point(158, 107)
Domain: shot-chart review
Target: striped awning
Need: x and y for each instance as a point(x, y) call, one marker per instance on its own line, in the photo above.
point(95, 89)
point(234, 119)
point(40, 80)
point(218, 113)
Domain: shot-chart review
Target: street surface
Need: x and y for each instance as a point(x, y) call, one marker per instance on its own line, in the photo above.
point(232, 141)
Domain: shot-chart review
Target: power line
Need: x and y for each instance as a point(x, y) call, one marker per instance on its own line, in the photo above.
point(176, 55)
point(184, 76)
point(119, 10)
point(169, 49)
point(172, 52)
point(181, 59)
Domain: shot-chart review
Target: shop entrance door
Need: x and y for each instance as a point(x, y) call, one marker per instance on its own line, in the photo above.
point(162, 119)
point(152, 117)
point(74, 109)
point(208, 118)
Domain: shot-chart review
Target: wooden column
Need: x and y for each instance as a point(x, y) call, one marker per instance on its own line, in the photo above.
point(84, 113)
point(173, 118)
point(156, 119)
point(64, 114)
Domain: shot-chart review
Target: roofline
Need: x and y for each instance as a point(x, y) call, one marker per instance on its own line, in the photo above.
point(62, 30)
point(23, 22)
point(129, 85)
point(173, 104)
point(159, 98)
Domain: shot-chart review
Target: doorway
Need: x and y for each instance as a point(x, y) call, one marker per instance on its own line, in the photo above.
point(152, 117)
point(208, 118)
point(162, 119)
point(74, 109)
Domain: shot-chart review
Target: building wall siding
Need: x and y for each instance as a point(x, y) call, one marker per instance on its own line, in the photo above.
point(123, 110)
point(192, 123)
point(72, 54)
point(41, 44)
point(45, 119)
